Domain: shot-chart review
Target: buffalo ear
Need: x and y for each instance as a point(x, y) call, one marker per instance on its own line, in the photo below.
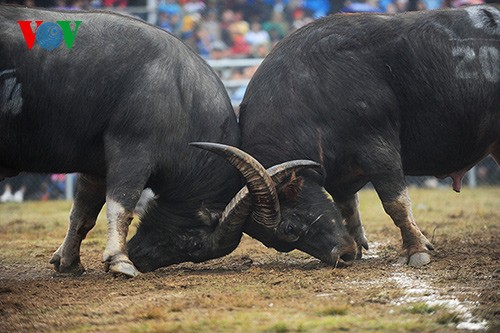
point(291, 189)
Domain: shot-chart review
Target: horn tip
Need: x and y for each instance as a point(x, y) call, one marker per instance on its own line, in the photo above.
point(207, 145)
point(197, 144)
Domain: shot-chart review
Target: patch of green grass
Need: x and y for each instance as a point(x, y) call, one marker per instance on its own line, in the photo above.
point(421, 308)
point(280, 327)
point(335, 310)
point(447, 318)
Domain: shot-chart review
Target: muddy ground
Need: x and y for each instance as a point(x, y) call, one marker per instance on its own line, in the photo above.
point(256, 289)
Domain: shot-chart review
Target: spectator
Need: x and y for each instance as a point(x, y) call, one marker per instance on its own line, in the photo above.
point(300, 18)
point(29, 3)
point(163, 21)
point(214, 6)
point(8, 196)
point(369, 6)
point(383, 5)
point(242, 74)
point(203, 42)
point(240, 47)
point(277, 27)
point(239, 25)
point(71, 4)
point(210, 24)
point(318, 8)
point(170, 7)
point(256, 35)
point(219, 50)
point(460, 3)
point(244, 7)
point(261, 11)
point(488, 172)
point(189, 25)
point(52, 187)
point(398, 6)
point(261, 50)
point(227, 20)
point(279, 6)
point(238, 28)
point(170, 22)
point(194, 7)
point(58, 182)
point(118, 4)
point(433, 4)
point(295, 4)
point(414, 5)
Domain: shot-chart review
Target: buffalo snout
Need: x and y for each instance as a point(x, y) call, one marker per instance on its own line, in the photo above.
point(344, 254)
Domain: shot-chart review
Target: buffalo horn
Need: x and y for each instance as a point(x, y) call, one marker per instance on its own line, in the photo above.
point(240, 206)
point(266, 208)
point(260, 186)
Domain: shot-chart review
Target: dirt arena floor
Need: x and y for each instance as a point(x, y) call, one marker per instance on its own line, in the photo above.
point(256, 289)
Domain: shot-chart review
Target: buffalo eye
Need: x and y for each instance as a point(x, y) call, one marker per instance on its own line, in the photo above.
point(289, 233)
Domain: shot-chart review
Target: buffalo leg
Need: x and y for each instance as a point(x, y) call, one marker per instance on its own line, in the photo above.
point(124, 183)
point(89, 199)
point(386, 173)
point(396, 201)
point(350, 212)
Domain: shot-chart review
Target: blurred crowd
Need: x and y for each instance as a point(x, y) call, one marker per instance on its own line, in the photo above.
point(250, 28)
point(246, 28)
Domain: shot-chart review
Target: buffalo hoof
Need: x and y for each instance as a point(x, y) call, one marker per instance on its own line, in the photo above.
point(362, 243)
point(418, 259)
point(73, 267)
point(124, 268)
point(417, 256)
point(121, 266)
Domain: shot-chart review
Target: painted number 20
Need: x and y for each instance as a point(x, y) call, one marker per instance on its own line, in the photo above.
point(488, 57)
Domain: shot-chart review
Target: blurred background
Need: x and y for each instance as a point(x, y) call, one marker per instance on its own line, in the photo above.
point(233, 36)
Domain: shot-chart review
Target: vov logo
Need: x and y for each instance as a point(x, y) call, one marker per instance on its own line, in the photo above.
point(49, 35)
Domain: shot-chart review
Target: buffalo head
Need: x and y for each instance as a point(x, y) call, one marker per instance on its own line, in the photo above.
point(276, 207)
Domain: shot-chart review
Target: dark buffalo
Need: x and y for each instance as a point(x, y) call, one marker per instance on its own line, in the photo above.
point(157, 243)
point(120, 107)
point(373, 98)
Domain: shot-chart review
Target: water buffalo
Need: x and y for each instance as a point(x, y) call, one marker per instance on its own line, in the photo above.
point(373, 98)
point(118, 102)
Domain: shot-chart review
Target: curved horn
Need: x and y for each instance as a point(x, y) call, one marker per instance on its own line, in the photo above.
point(281, 171)
point(240, 206)
point(227, 234)
point(266, 209)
